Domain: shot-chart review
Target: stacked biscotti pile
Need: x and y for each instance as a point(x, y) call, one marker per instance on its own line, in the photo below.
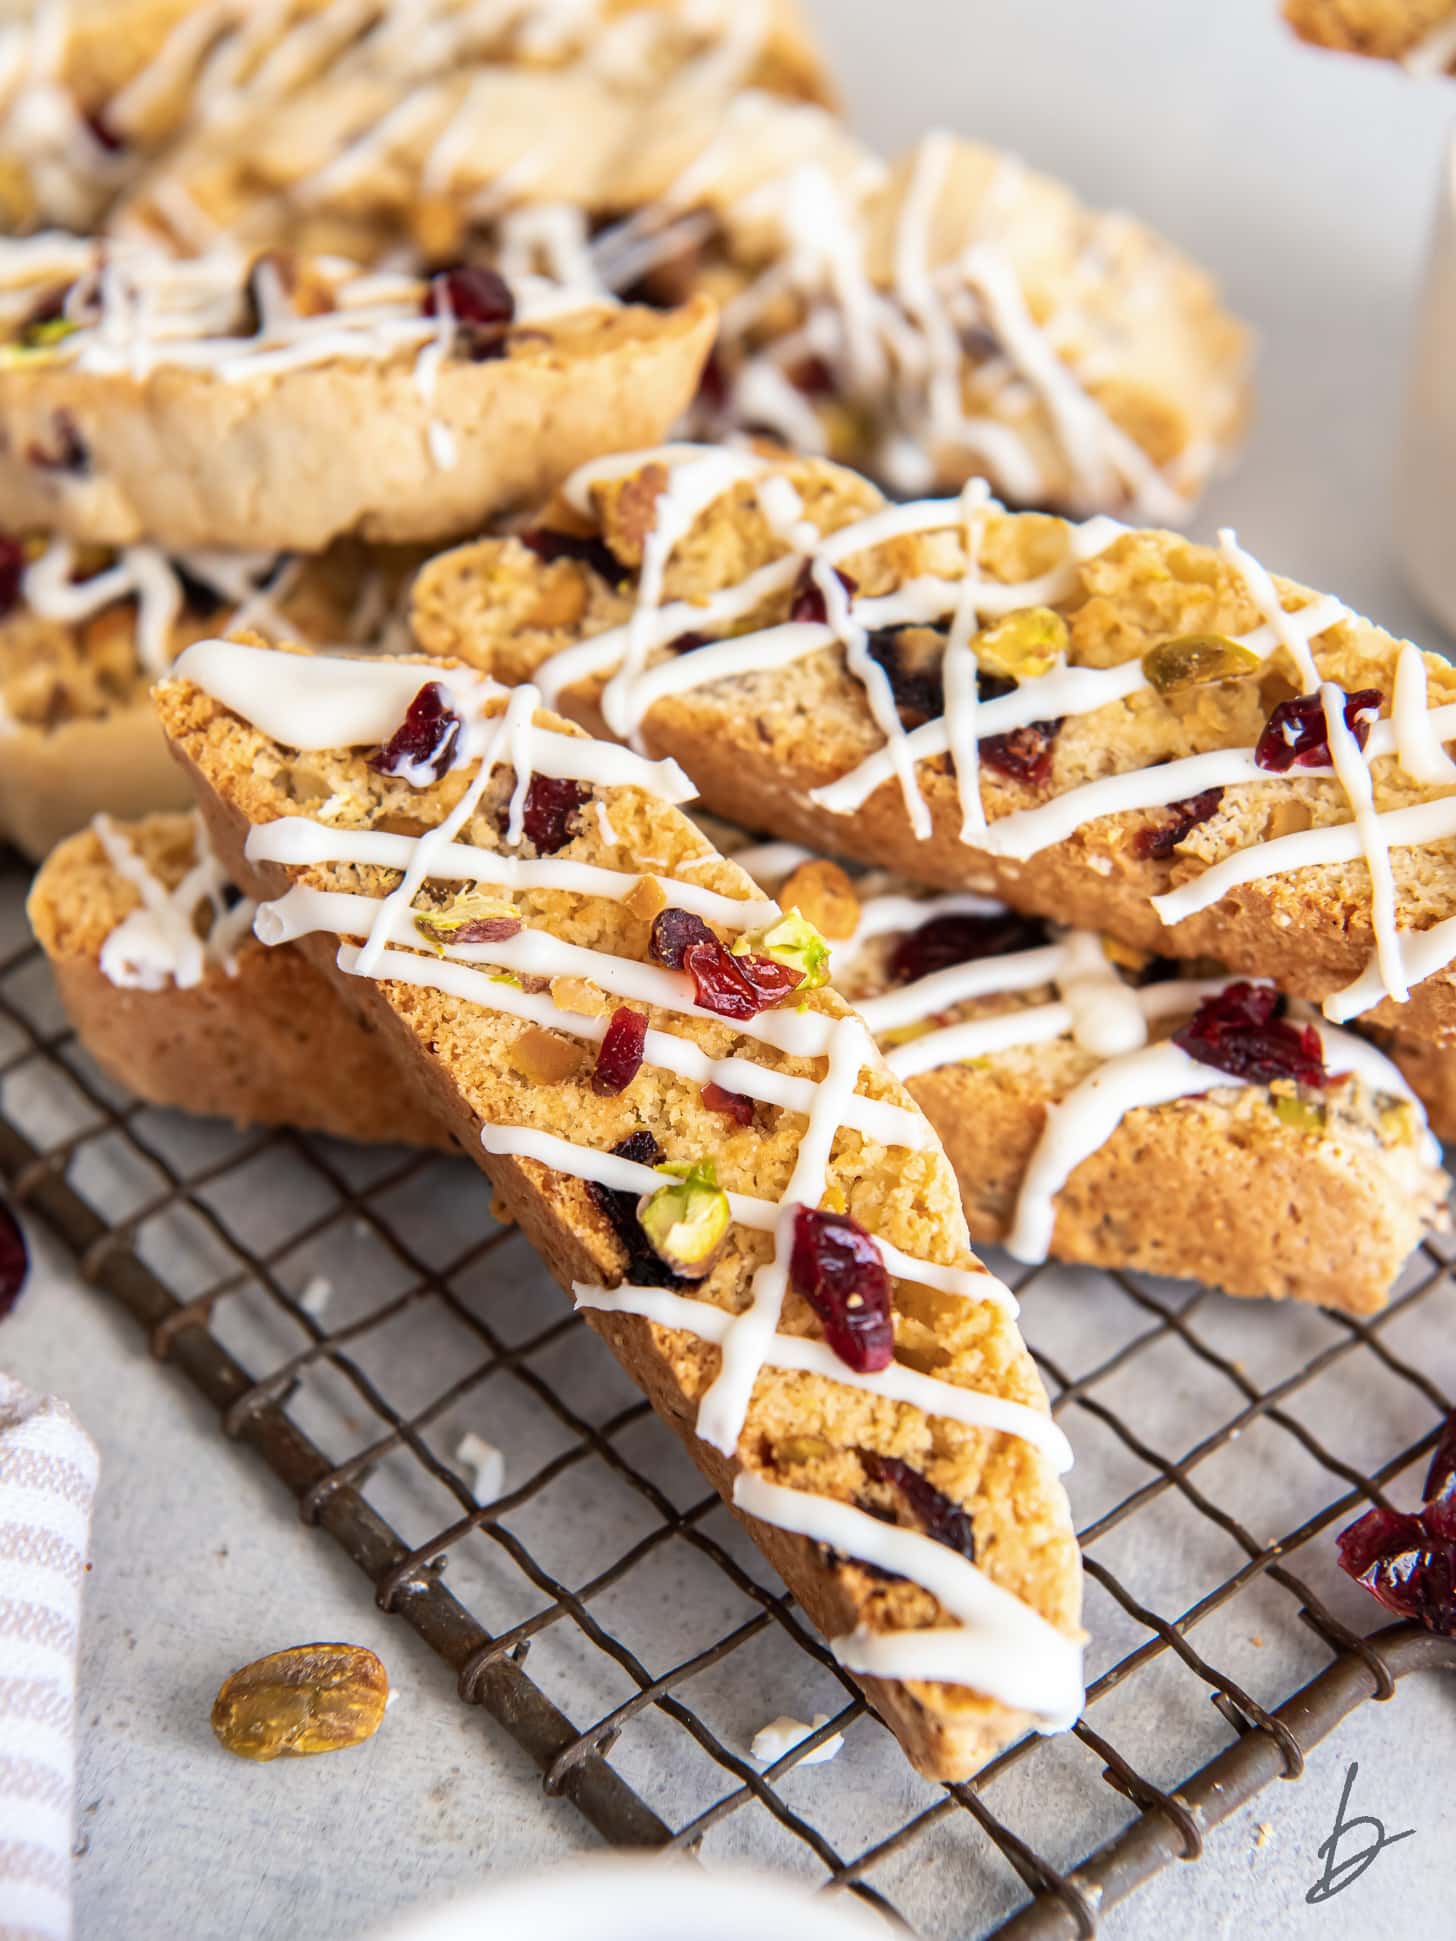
point(439, 443)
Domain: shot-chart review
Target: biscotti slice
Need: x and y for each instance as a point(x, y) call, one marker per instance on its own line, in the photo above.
point(1420, 34)
point(94, 92)
point(1055, 1082)
point(957, 315)
point(85, 630)
point(1099, 1107)
point(173, 996)
point(541, 942)
point(270, 404)
point(421, 123)
point(1116, 729)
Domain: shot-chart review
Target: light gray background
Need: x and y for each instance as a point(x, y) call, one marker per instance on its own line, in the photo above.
point(1305, 182)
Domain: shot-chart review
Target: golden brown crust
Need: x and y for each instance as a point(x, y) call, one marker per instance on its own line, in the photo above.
point(461, 1055)
point(185, 458)
point(1431, 1072)
point(1387, 29)
point(267, 1045)
point(757, 745)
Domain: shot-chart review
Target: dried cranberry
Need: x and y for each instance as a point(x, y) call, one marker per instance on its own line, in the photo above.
point(14, 1260)
point(1297, 735)
point(713, 385)
point(1160, 839)
point(931, 1508)
point(672, 931)
point(838, 1269)
point(812, 376)
point(549, 813)
point(12, 572)
point(1405, 1564)
point(475, 295)
point(737, 987)
point(688, 643)
point(549, 545)
point(1025, 754)
point(960, 939)
point(1242, 1031)
point(68, 452)
point(916, 680)
point(620, 1058)
point(421, 748)
point(619, 1206)
point(733, 1105)
point(102, 131)
point(808, 603)
point(1441, 1476)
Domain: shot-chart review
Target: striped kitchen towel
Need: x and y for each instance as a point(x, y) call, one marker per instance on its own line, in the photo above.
point(47, 1481)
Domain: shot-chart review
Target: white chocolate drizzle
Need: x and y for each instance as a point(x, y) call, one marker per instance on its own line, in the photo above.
point(157, 944)
point(1413, 732)
point(263, 688)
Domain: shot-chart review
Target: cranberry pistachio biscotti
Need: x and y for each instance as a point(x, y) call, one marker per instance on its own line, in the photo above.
point(543, 944)
point(1113, 728)
point(85, 630)
point(1061, 1073)
point(1420, 34)
point(271, 403)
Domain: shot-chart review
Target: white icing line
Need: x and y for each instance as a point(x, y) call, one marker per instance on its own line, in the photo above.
point(1354, 778)
point(155, 945)
point(1019, 970)
point(812, 1357)
point(1001, 1646)
point(1418, 746)
point(961, 670)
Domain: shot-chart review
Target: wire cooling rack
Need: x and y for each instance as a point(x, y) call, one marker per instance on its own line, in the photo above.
point(354, 1314)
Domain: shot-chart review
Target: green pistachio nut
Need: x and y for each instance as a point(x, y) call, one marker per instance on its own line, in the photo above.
point(794, 942)
point(1022, 645)
point(1304, 1115)
point(1195, 660)
point(687, 1221)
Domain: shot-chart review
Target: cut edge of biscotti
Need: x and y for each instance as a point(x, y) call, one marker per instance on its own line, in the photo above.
point(499, 1073)
point(1126, 789)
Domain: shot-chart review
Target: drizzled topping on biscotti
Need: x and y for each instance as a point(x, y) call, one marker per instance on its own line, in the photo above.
point(1353, 773)
point(178, 931)
point(807, 1278)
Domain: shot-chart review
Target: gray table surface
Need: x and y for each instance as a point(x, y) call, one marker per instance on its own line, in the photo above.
point(1306, 183)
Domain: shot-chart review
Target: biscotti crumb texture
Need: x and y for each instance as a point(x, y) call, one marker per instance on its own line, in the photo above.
point(1072, 783)
point(802, 1430)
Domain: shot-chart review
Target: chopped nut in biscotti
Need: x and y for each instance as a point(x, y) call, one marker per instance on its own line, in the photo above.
point(546, 1058)
point(634, 510)
point(825, 894)
point(579, 994)
point(645, 899)
point(312, 1698)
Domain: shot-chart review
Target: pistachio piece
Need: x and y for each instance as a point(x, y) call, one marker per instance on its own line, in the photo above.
point(470, 918)
point(1022, 645)
point(311, 1698)
point(1193, 660)
point(794, 942)
point(824, 894)
point(1304, 1115)
point(47, 333)
point(1400, 1124)
point(545, 1058)
point(795, 1449)
point(832, 1200)
point(686, 1222)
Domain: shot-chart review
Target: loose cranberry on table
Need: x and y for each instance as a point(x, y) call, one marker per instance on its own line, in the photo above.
point(961, 938)
point(1297, 735)
point(425, 743)
point(14, 1260)
point(1407, 1560)
point(1242, 1031)
point(837, 1267)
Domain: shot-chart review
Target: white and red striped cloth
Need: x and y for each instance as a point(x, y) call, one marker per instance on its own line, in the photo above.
point(47, 1480)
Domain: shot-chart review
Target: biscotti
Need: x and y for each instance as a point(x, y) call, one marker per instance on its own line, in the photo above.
point(1420, 34)
point(1116, 729)
point(284, 404)
point(1313, 1183)
point(102, 92)
point(577, 1019)
point(85, 630)
point(211, 1022)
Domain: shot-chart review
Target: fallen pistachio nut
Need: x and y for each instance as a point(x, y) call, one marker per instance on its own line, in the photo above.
point(310, 1698)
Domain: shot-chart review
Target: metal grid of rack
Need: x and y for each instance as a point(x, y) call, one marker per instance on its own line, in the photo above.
point(354, 1314)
